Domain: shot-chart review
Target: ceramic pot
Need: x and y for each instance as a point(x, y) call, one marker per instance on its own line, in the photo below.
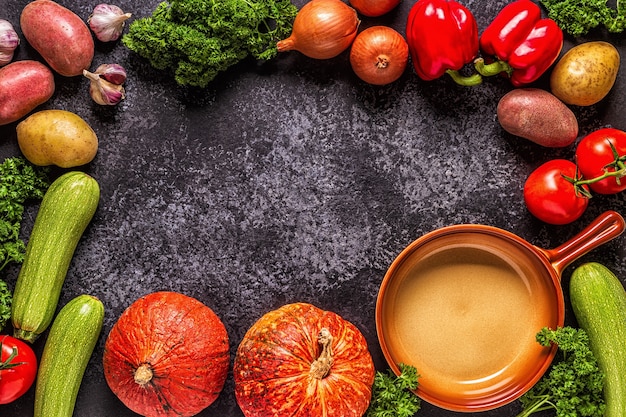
point(464, 303)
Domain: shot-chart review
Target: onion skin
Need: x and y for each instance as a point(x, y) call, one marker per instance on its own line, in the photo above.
point(322, 29)
point(374, 8)
point(379, 55)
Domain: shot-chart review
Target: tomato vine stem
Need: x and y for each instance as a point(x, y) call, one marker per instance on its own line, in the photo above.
point(615, 169)
point(7, 364)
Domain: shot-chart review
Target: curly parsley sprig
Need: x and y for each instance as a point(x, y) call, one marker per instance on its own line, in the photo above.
point(19, 182)
point(578, 17)
point(196, 39)
point(392, 395)
point(573, 384)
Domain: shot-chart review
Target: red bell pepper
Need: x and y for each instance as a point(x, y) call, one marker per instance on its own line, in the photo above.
point(443, 37)
point(523, 44)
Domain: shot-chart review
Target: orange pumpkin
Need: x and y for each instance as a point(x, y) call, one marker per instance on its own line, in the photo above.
point(167, 355)
point(301, 361)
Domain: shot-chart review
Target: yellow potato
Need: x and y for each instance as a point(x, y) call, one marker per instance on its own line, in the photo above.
point(586, 73)
point(57, 137)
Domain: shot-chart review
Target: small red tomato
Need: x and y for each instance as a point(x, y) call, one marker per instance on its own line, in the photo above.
point(594, 154)
point(18, 372)
point(552, 198)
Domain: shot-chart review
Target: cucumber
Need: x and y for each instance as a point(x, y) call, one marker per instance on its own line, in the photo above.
point(65, 211)
point(599, 302)
point(65, 356)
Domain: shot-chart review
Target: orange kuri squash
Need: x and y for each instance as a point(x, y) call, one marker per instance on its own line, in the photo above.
point(167, 355)
point(301, 361)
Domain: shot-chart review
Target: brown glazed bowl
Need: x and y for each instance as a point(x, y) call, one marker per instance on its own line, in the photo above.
point(464, 303)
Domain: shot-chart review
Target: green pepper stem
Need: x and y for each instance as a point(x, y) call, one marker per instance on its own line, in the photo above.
point(466, 81)
point(493, 68)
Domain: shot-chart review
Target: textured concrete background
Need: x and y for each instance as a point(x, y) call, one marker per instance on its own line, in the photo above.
point(289, 181)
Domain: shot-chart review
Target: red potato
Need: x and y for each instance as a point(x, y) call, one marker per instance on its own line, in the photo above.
point(59, 35)
point(539, 116)
point(24, 85)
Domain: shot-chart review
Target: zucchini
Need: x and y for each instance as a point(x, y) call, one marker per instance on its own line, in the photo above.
point(65, 211)
point(599, 303)
point(65, 356)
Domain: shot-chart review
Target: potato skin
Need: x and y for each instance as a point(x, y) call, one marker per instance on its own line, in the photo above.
point(56, 137)
point(59, 35)
point(539, 116)
point(586, 73)
point(24, 85)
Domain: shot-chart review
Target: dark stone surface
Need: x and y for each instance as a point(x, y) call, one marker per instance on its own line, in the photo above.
point(290, 181)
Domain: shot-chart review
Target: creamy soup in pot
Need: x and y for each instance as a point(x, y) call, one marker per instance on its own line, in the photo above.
point(464, 315)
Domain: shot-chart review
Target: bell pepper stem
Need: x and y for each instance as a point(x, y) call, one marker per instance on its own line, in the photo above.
point(466, 81)
point(493, 68)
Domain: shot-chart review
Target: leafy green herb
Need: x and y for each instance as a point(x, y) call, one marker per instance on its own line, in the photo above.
point(6, 299)
point(196, 39)
point(19, 182)
point(392, 395)
point(573, 384)
point(578, 17)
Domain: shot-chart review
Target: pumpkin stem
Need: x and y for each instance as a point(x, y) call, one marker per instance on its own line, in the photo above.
point(321, 366)
point(143, 374)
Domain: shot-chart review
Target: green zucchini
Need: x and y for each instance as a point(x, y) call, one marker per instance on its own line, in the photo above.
point(65, 356)
point(599, 303)
point(65, 211)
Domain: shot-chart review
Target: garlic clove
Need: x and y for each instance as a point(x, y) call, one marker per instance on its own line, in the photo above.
point(107, 22)
point(9, 41)
point(102, 91)
point(113, 73)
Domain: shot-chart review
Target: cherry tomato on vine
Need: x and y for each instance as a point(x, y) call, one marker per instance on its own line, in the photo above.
point(18, 368)
point(594, 153)
point(552, 198)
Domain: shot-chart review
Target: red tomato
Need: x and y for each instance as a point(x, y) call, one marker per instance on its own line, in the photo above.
point(594, 153)
point(552, 198)
point(16, 380)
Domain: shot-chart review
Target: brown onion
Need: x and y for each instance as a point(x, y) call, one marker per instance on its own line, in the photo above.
point(322, 29)
point(379, 55)
point(374, 8)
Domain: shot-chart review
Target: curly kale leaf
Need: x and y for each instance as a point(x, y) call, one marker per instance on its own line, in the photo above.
point(578, 17)
point(197, 39)
point(573, 385)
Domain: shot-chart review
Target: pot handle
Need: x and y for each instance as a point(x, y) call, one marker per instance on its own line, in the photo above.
point(604, 228)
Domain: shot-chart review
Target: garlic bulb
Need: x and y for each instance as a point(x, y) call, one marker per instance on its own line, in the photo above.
point(113, 73)
point(105, 92)
point(8, 42)
point(107, 22)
